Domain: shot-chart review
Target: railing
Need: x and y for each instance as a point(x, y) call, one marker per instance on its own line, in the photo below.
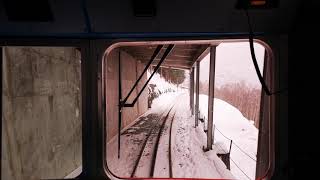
point(202, 119)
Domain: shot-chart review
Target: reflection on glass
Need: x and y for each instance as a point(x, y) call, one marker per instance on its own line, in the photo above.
point(41, 115)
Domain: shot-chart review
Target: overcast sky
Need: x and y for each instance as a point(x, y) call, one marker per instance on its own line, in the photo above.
point(234, 64)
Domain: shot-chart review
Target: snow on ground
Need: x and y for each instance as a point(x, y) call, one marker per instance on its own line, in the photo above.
point(162, 84)
point(189, 159)
point(133, 136)
point(162, 163)
point(230, 121)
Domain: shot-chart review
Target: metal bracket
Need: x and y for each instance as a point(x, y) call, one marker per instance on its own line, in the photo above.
point(154, 55)
point(166, 53)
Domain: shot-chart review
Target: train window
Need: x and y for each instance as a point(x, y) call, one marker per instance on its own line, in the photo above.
point(41, 113)
point(157, 102)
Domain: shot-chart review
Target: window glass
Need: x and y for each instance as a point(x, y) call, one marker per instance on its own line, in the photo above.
point(159, 136)
point(41, 113)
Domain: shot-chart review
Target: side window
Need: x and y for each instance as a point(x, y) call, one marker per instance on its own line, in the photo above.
point(41, 113)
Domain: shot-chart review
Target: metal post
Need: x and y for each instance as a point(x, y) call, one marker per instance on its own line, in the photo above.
point(213, 133)
point(204, 125)
point(192, 90)
point(230, 146)
point(211, 97)
point(119, 106)
point(197, 94)
point(1, 61)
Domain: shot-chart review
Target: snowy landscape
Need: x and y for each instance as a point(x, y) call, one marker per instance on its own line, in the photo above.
point(235, 123)
point(230, 125)
point(188, 158)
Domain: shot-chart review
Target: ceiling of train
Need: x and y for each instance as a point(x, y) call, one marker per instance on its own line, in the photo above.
point(76, 18)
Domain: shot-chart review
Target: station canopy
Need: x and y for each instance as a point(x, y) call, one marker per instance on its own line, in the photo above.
point(181, 56)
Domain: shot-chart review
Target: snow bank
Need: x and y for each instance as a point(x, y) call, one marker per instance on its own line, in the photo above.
point(161, 84)
point(230, 121)
point(189, 159)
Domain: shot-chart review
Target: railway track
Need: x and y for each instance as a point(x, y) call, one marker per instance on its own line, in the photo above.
point(153, 161)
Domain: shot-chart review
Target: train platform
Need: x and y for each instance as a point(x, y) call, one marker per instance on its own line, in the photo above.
point(164, 143)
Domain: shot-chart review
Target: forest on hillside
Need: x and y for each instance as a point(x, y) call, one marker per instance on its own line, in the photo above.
point(240, 95)
point(174, 76)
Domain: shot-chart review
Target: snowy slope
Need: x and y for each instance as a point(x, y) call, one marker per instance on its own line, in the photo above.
point(189, 159)
point(162, 84)
point(232, 124)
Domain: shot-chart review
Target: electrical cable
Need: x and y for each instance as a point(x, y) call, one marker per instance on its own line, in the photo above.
point(234, 162)
point(236, 145)
point(253, 56)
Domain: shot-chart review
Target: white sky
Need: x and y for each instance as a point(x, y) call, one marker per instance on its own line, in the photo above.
point(234, 64)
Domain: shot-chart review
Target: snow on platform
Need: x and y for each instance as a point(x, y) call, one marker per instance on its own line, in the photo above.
point(133, 136)
point(231, 123)
point(188, 158)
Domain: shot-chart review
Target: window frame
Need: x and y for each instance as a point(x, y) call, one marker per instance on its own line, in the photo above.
point(26, 42)
point(93, 85)
point(259, 40)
